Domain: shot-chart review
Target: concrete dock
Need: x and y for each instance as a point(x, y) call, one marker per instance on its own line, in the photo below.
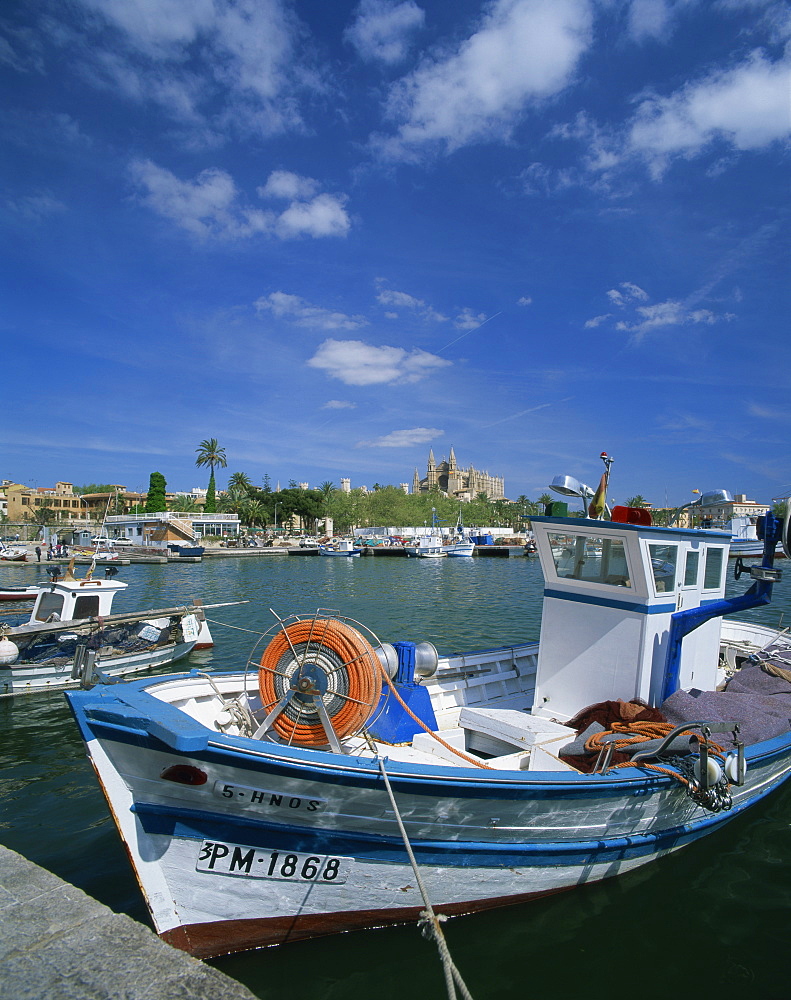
point(58, 942)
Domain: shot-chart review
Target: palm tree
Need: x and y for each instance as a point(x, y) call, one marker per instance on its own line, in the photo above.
point(231, 501)
point(210, 453)
point(184, 505)
point(637, 501)
point(253, 512)
point(240, 481)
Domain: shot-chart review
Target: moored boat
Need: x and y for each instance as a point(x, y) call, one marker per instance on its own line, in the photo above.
point(460, 544)
point(256, 805)
point(343, 547)
point(72, 636)
point(13, 553)
point(19, 593)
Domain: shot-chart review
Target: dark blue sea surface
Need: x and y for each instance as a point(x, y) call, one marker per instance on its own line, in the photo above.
point(712, 918)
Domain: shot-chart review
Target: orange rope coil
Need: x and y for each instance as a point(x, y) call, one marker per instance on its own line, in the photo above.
point(336, 656)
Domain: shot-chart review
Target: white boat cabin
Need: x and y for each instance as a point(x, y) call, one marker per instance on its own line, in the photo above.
point(69, 599)
point(610, 591)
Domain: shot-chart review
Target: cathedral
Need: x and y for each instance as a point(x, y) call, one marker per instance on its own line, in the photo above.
point(464, 484)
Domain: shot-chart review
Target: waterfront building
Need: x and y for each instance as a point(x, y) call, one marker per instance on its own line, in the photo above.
point(718, 514)
point(171, 527)
point(463, 484)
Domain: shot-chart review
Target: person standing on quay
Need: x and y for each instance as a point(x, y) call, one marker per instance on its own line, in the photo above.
point(38, 553)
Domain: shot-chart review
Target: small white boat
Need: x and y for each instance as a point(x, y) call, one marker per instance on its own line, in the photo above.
point(71, 636)
point(13, 553)
point(427, 547)
point(343, 547)
point(336, 782)
point(460, 544)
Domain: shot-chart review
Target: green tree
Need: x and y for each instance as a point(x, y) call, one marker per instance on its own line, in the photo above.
point(156, 502)
point(636, 501)
point(43, 516)
point(94, 488)
point(240, 481)
point(210, 453)
point(233, 499)
point(184, 505)
point(253, 512)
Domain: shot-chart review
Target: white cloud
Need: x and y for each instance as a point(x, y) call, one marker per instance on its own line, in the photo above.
point(302, 313)
point(210, 206)
point(595, 321)
point(524, 301)
point(742, 108)
point(630, 293)
point(36, 207)
point(668, 313)
point(382, 30)
point(354, 362)
point(648, 19)
point(747, 107)
point(284, 184)
point(207, 206)
point(403, 439)
point(524, 51)
point(468, 320)
point(339, 404)
point(401, 300)
point(228, 62)
point(641, 320)
point(773, 413)
point(323, 216)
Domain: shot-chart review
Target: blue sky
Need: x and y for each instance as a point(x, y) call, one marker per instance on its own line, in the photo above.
point(334, 235)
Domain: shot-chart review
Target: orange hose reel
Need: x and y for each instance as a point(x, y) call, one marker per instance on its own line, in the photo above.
point(319, 658)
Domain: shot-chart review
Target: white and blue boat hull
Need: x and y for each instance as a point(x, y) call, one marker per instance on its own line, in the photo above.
point(278, 844)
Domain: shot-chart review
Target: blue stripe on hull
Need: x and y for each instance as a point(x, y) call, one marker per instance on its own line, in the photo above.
point(164, 821)
point(468, 783)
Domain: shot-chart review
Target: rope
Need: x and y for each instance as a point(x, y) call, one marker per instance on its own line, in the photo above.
point(641, 732)
point(358, 685)
point(429, 920)
point(238, 628)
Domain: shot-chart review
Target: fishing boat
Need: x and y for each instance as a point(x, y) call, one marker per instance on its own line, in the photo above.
point(13, 553)
point(19, 593)
point(460, 543)
point(342, 547)
point(72, 634)
point(429, 545)
point(336, 781)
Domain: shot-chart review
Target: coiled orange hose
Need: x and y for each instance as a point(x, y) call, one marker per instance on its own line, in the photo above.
point(356, 682)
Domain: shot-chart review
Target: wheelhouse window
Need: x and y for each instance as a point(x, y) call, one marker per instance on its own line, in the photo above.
point(49, 605)
point(590, 559)
point(86, 606)
point(663, 565)
point(691, 568)
point(712, 573)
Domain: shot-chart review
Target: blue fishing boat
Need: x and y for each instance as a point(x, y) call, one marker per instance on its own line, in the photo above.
point(335, 781)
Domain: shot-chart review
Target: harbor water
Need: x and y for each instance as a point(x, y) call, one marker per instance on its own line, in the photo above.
point(711, 918)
